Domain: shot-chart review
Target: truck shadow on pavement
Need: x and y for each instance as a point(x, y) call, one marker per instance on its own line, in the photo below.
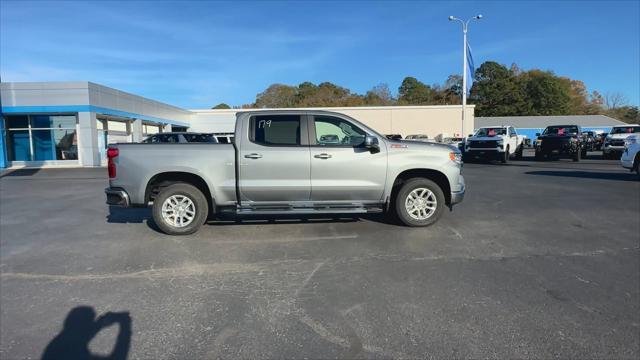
point(80, 327)
point(586, 175)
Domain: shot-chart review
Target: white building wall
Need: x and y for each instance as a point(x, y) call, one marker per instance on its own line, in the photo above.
point(404, 120)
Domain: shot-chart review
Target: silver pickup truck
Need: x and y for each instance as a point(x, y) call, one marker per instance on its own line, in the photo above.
point(287, 162)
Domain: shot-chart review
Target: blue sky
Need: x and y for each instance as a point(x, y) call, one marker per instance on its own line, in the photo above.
point(197, 54)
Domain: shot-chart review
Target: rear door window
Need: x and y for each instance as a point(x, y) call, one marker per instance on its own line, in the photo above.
point(275, 130)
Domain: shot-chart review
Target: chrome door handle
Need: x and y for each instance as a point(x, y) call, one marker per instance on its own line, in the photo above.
point(253, 156)
point(322, 156)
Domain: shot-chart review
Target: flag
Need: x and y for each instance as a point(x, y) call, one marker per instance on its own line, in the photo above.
point(472, 68)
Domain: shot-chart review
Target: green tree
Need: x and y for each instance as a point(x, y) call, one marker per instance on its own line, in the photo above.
point(628, 114)
point(222, 106)
point(546, 94)
point(414, 92)
point(497, 91)
point(379, 95)
point(277, 96)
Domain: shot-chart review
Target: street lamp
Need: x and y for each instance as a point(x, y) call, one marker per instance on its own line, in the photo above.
point(465, 26)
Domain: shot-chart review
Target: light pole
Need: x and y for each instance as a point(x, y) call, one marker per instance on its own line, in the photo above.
point(465, 26)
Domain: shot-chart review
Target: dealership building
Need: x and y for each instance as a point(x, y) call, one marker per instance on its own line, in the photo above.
point(72, 123)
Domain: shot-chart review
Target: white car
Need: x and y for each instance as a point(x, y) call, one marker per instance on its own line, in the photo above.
point(614, 142)
point(631, 155)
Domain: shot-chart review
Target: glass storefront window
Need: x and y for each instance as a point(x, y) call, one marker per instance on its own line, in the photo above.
point(17, 122)
point(18, 148)
point(49, 137)
point(53, 121)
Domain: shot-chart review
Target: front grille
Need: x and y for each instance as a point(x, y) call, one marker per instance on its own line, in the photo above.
point(617, 142)
point(551, 143)
point(486, 144)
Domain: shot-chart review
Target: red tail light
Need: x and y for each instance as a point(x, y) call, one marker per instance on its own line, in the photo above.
point(112, 153)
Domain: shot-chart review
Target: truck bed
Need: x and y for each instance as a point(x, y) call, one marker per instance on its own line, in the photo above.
point(137, 163)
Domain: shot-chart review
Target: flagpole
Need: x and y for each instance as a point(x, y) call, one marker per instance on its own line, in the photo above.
point(465, 25)
point(464, 80)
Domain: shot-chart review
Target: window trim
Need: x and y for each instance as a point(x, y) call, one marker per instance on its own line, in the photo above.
point(314, 141)
point(304, 140)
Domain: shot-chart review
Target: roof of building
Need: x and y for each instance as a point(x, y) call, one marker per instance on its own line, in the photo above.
point(535, 122)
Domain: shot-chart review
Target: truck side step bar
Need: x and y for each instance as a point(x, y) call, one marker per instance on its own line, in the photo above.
point(280, 210)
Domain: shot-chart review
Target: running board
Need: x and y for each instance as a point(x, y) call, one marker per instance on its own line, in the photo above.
point(280, 210)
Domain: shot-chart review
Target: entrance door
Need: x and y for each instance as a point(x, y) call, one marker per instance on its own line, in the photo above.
point(341, 167)
point(274, 163)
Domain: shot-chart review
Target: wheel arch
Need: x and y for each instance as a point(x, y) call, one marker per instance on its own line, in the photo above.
point(434, 175)
point(163, 179)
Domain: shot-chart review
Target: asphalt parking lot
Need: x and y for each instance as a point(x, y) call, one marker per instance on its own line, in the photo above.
point(541, 260)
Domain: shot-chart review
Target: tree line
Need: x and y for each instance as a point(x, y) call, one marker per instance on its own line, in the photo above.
point(497, 91)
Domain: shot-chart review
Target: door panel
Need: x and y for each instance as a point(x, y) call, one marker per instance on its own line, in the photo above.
point(341, 168)
point(274, 164)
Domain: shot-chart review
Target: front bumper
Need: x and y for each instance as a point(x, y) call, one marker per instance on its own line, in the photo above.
point(458, 196)
point(117, 197)
point(613, 149)
point(483, 153)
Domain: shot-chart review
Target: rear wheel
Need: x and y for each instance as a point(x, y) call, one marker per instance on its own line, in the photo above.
point(420, 202)
point(180, 209)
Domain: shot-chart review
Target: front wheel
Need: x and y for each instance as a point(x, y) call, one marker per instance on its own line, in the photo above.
point(180, 209)
point(505, 156)
point(420, 202)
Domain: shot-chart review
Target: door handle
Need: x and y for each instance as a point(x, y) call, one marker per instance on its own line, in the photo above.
point(322, 156)
point(253, 156)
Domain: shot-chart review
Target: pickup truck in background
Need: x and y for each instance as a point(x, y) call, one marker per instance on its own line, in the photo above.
point(494, 143)
point(613, 145)
point(287, 162)
point(560, 141)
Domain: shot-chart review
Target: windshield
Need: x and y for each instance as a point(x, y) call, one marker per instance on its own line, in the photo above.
point(561, 130)
point(625, 130)
point(491, 131)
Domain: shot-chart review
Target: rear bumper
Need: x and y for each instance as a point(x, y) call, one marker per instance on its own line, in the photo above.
point(117, 197)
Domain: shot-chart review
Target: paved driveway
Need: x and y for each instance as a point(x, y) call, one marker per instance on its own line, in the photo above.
point(541, 260)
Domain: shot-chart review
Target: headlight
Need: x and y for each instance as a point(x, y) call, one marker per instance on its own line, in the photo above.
point(538, 141)
point(455, 156)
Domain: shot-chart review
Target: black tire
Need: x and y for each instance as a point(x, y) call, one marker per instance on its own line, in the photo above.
point(636, 164)
point(576, 155)
point(605, 156)
point(181, 190)
point(519, 152)
point(505, 156)
point(584, 153)
point(539, 156)
point(401, 211)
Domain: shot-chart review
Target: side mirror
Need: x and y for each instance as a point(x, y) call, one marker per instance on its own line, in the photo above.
point(470, 135)
point(371, 143)
point(537, 134)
